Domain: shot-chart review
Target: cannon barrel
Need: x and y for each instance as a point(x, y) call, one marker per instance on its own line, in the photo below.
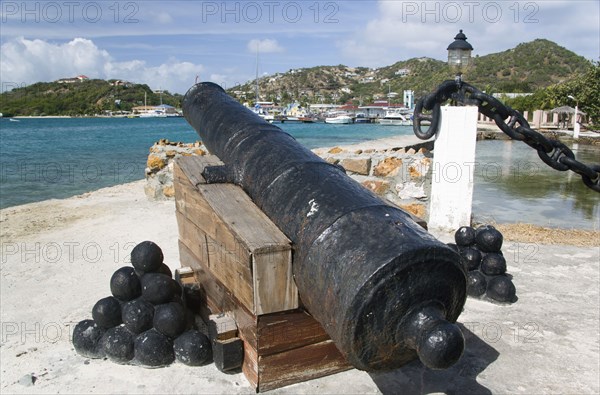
point(383, 288)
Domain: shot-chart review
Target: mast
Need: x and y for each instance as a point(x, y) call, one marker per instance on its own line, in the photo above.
point(256, 87)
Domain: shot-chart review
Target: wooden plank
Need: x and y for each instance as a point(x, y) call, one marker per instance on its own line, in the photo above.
point(237, 211)
point(250, 364)
point(222, 264)
point(273, 280)
point(191, 167)
point(218, 297)
point(287, 330)
point(299, 364)
point(221, 326)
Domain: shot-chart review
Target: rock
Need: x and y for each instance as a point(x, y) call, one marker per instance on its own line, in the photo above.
point(414, 172)
point(138, 315)
point(146, 256)
point(107, 312)
point(168, 191)
point(358, 166)
point(423, 150)
point(411, 190)
point(171, 153)
point(117, 344)
point(153, 349)
point(416, 209)
point(368, 151)
point(125, 284)
point(332, 160)
point(411, 151)
point(358, 151)
point(199, 152)
point(388, 167)
point(192, 348)
point(28, 380)
point(335, 150)
point(86, 339)
point(155, 162)
point(170, 319)
point(378, 186)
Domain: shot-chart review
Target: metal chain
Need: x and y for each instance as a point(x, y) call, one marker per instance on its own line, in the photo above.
point(552, 152)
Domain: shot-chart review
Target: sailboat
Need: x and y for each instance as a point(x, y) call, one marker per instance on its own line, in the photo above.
point(155, 112)
point(261, 112)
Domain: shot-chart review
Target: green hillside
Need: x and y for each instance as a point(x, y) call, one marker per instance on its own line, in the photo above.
point(526, 68)
point(87, 97)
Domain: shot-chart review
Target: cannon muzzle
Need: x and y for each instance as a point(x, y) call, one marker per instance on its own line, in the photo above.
point(383, 288)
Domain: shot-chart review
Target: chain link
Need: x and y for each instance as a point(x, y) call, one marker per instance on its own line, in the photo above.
point(552, 152)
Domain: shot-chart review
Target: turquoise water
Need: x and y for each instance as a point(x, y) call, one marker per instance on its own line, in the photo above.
point(55, 158)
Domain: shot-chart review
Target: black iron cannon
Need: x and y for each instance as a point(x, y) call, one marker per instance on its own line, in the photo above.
point(384, 289)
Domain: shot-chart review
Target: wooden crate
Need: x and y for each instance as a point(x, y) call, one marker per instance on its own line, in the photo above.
point(243, 265)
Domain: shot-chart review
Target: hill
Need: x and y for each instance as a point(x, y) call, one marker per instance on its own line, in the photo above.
point(525, 68)
point(87, 97)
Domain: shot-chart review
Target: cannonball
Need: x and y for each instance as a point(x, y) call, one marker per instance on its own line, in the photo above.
point(471, 257)
point(476, 283)
point(125, 284)
point(488, 239)
point(441, 346)
point(157, 288)
point(464, 236)
point(153, 349)
point(86, 339)
point(493, 264)
point(146, 256)
point(164, 269)
point(138, 315)
point(170, 319)
point(107, 312)
point(501, 289)
point(192, 348)
point(117, 344)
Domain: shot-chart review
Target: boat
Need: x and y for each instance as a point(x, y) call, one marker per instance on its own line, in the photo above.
point(258, 110)
point(395, 117)
point(339, 118)
point(361, 117)
point(13, 120)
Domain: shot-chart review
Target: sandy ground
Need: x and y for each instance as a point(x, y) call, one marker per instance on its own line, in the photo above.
point(57, 257)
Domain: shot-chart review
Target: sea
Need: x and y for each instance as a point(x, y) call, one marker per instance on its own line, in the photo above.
point(53, 158)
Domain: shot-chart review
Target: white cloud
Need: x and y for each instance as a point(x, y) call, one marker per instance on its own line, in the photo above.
point(267, 45)
point(27, 61)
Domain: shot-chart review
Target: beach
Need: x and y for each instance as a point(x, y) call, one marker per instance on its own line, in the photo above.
point(58, 256)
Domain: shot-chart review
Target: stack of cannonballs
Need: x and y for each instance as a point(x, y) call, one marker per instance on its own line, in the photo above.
point(144, 321)
point(480, 250)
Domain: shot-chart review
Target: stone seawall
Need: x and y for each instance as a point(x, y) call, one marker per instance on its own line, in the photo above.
point(401, 176)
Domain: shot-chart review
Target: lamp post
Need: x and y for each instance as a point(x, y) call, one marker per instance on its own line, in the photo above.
point(576, 126)
point(459, 55)
point(454, 151)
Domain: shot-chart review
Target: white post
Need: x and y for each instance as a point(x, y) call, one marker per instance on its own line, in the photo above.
point(576, 123)
point(453, 167)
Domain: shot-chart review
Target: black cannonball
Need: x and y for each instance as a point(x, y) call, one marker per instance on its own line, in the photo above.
point(86, 339)
point(125, 284)
point(476, 283)
point(501, 289)
point(153, 349)
point(146, 256)
point(471, 257)
point(107, 312)
point(170, 319)
point(488, 239)
point(178, 290)
point(464, 236)
point(164, 269)
point(192, 348)
point(117, 344)
point(157, 288)
point(441, 346)
point(138, 315)
point(493, 264)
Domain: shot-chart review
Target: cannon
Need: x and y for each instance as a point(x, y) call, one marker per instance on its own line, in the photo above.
point(384, 289)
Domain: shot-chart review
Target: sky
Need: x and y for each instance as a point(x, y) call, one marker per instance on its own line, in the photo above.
point(170, 44)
